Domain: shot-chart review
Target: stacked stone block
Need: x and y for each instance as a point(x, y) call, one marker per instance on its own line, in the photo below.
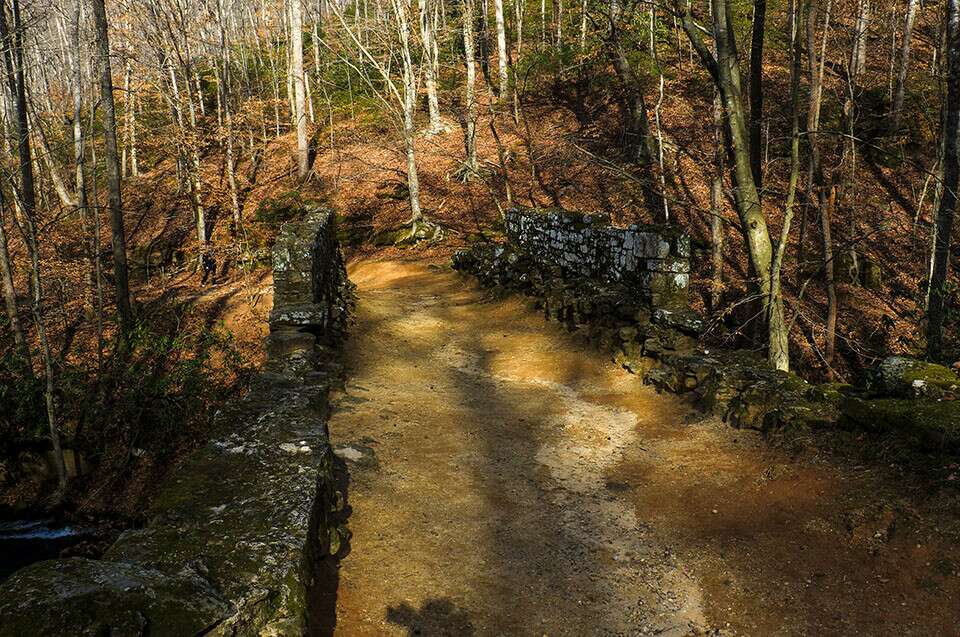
point(654, 260)
point(309, 278)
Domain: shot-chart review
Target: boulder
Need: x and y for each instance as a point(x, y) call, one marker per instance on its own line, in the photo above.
point(91, 598)
point(408, 234)
point(903, 377)
point(685, 320)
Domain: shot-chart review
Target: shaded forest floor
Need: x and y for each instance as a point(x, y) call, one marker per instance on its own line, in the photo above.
point(505, 479)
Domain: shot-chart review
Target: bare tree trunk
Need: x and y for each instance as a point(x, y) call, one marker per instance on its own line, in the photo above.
point(98, 268)
point(49, 388)
point(79, 153)
point(112, 160)
point(409, 109)
point(134, 104)
point(10, 299)
point(716, 209)
point(228, 118)
point(56, 180)
point(858, 60)
point(817, 186)
point(428, 19)
point(558, 22)
point(127, 106)
point(470, 114)
point(756, 91)
point(14, 62)
point(583, 25)
point(900, 89)
point(299, 102)
point(850, 113)
point(725, 70)
point(199, 87)
point(640, 145)
point(830, 325)
point(951, 181)
point(503, 74)
point(484, 43)
point(656, 120)
point(276, 91)
point(795, 72)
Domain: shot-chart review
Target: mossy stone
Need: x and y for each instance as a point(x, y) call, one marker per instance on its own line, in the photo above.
point(904, 377)
point(930, 424)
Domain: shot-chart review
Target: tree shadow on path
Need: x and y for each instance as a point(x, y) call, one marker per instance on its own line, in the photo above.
point(436, 617)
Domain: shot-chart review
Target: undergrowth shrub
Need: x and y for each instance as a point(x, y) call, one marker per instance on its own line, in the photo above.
point(21, 400)
point(158, 394)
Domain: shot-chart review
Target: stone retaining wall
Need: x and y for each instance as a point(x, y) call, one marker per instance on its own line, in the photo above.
point(595, 298)
point(240, 532)
point(655, 260)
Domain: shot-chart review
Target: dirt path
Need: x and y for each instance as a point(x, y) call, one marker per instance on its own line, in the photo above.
point(506, 480)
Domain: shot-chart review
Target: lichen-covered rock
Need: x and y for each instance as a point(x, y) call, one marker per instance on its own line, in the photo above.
point(684, 320)
point(904, 377)
point(763, 398)
point(744, 390)
point(91, 598)
point(243, 507)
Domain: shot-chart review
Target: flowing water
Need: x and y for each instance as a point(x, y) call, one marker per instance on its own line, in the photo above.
point(23, 542)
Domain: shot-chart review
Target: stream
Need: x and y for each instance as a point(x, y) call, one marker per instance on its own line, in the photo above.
point(23, 542)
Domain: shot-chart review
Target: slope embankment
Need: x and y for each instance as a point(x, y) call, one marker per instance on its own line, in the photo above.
point(242, 531)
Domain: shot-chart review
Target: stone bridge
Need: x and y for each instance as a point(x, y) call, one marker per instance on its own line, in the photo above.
point(503, 477)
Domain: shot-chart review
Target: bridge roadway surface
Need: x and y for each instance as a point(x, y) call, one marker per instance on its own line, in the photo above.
point(506, 479)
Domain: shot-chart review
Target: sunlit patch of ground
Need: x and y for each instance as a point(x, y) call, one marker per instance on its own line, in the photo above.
point(506, 479)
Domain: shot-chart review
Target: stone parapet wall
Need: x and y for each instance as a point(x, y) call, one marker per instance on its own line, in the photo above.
point(243, 531)
point(309, 278)
point(654, 260)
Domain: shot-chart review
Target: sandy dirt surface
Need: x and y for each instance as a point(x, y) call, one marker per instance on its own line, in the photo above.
point(505, 479)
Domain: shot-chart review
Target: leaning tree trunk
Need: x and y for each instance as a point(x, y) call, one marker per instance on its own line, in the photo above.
point(951, 181)
point(725, 71)
point(112, 160)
